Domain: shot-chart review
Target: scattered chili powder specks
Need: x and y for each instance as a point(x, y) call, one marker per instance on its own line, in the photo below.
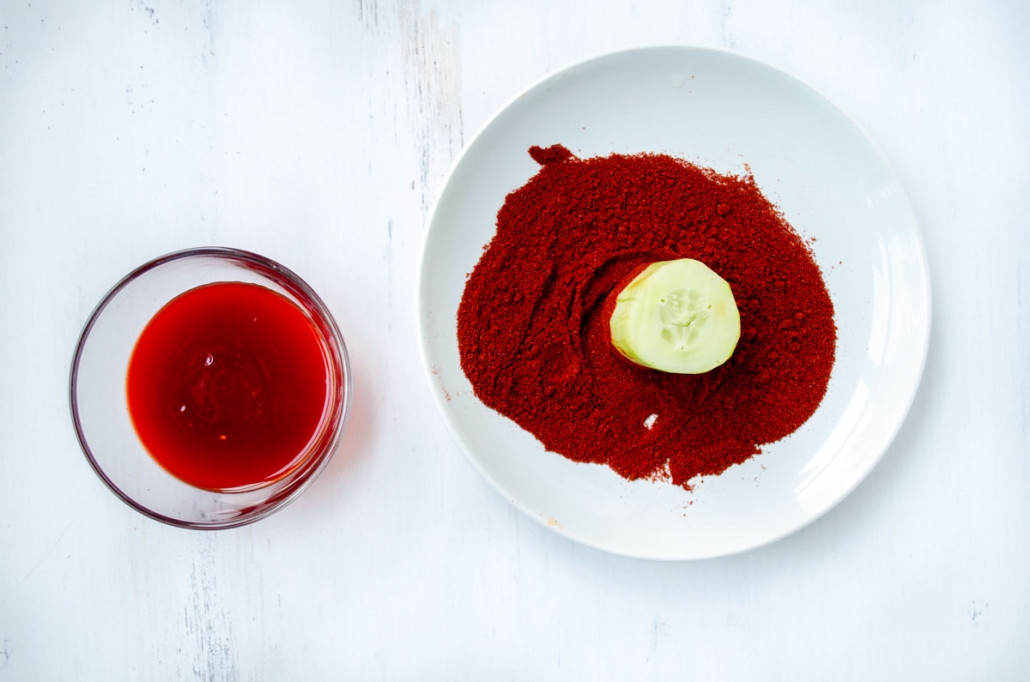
point(533, 319)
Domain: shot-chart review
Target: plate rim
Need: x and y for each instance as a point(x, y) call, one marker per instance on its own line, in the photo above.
point(438, 400)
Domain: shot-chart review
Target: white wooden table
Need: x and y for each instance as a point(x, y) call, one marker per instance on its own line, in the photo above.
point(317, 133)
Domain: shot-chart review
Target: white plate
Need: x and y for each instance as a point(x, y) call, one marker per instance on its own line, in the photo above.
point(719, 110)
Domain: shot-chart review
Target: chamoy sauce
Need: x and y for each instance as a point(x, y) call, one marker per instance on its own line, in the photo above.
point(227, 385)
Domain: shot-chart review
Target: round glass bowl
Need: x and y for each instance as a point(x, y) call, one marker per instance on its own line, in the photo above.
point(99, 400)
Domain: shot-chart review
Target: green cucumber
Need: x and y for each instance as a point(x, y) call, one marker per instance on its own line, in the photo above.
point(676, 316)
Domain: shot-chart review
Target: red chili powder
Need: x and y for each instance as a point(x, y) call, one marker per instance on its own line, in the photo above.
point(533, 321)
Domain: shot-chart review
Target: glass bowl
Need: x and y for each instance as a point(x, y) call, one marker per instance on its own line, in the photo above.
point(99, 400)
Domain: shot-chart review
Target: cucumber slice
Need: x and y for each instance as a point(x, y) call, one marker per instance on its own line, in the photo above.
point(676, 316)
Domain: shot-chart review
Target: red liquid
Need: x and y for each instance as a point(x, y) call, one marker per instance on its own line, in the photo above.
point(227, 385)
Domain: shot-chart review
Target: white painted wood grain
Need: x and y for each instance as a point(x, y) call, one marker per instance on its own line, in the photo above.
point(318, 133)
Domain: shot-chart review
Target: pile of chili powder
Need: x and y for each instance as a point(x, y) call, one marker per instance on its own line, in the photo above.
point(533, 320)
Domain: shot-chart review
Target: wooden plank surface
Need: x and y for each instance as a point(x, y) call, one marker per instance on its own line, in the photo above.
point(318, 133)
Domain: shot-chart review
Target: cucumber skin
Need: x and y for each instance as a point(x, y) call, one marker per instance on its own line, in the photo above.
point(609, 309)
